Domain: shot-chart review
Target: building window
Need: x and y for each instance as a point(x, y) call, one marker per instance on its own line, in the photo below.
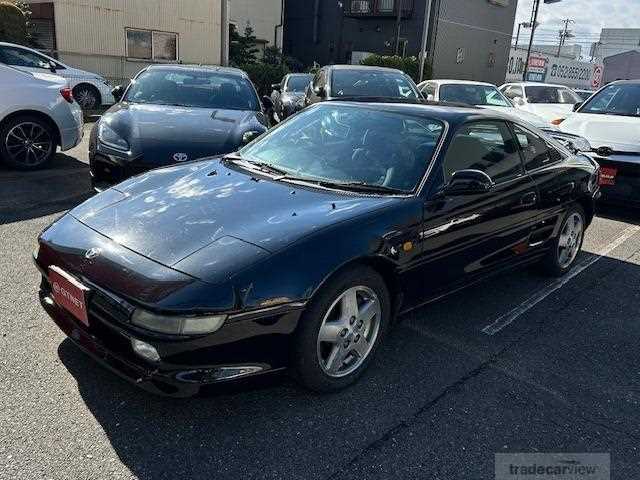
point(152, 45)
point(385, 6)
point(379, 7)
point(360, 6)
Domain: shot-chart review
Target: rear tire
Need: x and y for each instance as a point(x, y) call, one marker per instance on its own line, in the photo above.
point(87, 97)
point(341, 330)
point(27, 142)
point(566, 246)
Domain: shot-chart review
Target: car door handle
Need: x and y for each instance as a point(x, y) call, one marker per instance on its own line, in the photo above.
point(528, 199)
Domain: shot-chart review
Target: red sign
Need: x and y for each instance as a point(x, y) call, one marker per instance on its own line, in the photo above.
point(608, 175)
point(537, 62)
point(597, 76)
point(69, 293)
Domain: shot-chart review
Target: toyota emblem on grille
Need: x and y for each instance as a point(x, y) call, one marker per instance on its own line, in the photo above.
point(604, 151)
point(92, 253)
point(180, 157)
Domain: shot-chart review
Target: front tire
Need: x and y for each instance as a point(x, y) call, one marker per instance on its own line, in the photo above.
point(566, 246)
point(341, 330)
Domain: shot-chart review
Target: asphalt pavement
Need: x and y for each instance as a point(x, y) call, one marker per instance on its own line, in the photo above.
point(557, 371)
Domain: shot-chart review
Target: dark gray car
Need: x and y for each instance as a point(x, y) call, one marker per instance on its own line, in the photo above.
point(288, 95)
point(173, 114)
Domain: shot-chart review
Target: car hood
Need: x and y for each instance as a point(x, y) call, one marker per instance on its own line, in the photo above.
point(549, 111)
point(532, 118)
point(157, 132)
point(617, 132)
point(169, 214)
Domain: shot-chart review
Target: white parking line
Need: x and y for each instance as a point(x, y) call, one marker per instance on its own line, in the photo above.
point(506, 319)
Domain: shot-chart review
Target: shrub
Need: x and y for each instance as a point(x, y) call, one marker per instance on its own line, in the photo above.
point(409, 65)
point(264, 75)
point(13, 24)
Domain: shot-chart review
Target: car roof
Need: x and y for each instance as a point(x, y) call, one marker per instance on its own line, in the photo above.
point(625, 82)
point(460, 82)
point(364, 67)
point(201, 68)
point(536, 84)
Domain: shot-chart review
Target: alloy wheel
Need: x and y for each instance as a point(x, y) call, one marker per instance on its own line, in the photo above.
point(85, 98)
point(349, 331)
point(570, 240)
point(28, 144)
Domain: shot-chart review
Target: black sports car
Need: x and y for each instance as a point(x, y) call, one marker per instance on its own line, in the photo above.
point(172, 114)
point(288, 95)
point(298, 251)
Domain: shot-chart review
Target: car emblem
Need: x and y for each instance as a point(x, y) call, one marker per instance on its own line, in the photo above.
point(92, 253)
point(180, 157)
point(604, 151)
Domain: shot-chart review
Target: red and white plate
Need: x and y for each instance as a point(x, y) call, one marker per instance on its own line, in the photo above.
point(69, 293)
point(608, 175)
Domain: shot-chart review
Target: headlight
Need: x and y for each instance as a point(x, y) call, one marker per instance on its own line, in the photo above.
point(581, 144)
point(176, 324)
point(107, 136)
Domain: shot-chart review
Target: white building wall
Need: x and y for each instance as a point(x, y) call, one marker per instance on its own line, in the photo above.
point(616, 40)
point(90, 34)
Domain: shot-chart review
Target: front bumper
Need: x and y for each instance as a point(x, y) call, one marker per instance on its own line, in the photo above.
point(247, 347)
point(107, 170)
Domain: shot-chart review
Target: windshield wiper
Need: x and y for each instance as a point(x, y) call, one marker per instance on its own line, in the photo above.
point(262, 166)
point(361, 187)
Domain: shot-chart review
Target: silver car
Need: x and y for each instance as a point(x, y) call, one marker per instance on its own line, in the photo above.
point(37, 115)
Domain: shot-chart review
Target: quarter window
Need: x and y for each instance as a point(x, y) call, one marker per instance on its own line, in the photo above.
point(485, 146)
point(535, 151)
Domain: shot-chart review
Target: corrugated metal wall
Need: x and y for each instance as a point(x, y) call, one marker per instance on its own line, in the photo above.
point(91, 33)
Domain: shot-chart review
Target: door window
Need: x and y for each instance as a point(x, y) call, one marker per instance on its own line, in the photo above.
point(485, 146)
point(512, 92)
point(535, 151)
point(18, 57)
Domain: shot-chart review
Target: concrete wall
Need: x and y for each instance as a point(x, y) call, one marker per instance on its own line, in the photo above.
point(617, 40)
point(263, 15)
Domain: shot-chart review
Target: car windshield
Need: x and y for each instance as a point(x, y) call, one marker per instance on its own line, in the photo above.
point(473, 95)
point(298, 83)
point(350, 146)
point(374, 83)
point(193, 88)
point(547, 94)
point(615, 99)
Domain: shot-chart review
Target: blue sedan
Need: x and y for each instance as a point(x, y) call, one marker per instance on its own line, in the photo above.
point(173, 114)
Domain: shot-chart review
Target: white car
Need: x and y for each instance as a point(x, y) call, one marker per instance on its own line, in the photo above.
point(610, 121)
point(41, 118)
point(89, 89)
point(480, 94)
point(551, 102)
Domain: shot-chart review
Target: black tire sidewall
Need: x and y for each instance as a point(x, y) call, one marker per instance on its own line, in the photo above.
point(4, 130)
point(305, 366)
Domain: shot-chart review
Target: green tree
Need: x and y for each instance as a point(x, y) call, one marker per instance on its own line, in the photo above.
point(14, 23)
point(242, 48)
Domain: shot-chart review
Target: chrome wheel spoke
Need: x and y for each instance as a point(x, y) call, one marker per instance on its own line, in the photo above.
point(336, 359)
point(361, 347)
point(368, 311)
point(349, 304)
point(330, 333)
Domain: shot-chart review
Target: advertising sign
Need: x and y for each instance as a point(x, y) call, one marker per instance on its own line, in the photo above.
point(551, 69)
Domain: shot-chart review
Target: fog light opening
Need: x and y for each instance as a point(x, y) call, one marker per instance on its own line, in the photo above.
point(144, 350)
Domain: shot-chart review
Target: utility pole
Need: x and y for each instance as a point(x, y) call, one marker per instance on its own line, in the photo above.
point(398, 25)
point(564, 34)
point(224, 33)
point(425, 36)
point(534, 24)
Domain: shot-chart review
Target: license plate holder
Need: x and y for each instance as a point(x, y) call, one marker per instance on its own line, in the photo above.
point(69, 293)
point(608, 175)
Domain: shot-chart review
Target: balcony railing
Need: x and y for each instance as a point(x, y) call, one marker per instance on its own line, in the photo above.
point(378, 8)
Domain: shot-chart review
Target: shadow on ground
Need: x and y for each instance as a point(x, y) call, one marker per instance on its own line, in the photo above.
point(427, 407)
point(59, 187)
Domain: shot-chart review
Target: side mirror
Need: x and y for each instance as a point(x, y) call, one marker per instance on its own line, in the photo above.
point(250, 136)
point(267, 103)
point(319, 91)
point(118, 92)
point(577, 106)
point(468, 182)
point(518, 101)
point(275, 86)
point(52, 67)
